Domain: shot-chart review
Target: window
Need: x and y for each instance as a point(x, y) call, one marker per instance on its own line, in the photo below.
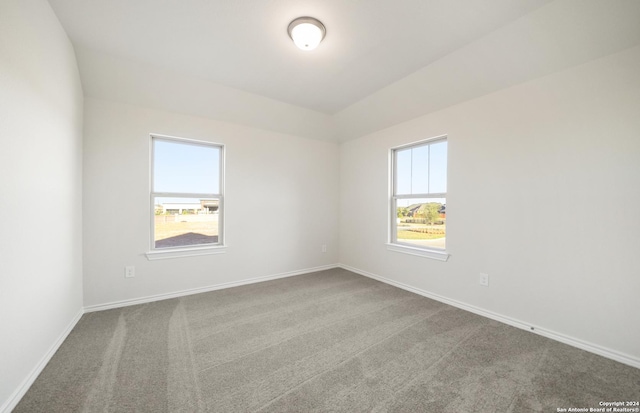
point(187, 200)
point(419, 196)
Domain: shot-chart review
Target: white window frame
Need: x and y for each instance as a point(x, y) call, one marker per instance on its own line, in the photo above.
point(187, 250)
point(393, 244)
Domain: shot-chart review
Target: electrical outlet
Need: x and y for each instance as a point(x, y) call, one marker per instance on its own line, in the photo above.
point(324, 247)
point(484, 280)
point(129, 271)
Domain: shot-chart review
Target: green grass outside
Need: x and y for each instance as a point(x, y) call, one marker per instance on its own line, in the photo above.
point(402, 234)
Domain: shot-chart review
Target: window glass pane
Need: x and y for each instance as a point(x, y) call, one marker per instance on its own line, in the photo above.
point(403, 171)
point(186, 168)
point(420, 170)
point(438, 168)
point(180, 222)
point(421, 222)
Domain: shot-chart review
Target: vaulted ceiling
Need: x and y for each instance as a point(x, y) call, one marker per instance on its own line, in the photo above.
point(378, 55)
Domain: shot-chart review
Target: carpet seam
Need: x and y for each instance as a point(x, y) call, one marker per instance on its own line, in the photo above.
point(201, 403)
point(302, 291)
point(346, 360)
point(536, 370)
point(108, 371)
point(299, 335)
point(435, 363)
point(265, 315)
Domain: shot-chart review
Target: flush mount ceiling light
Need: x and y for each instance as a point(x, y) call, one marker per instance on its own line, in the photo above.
point(306, 32)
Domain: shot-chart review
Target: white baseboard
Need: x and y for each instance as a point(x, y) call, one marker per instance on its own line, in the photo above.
point(581, 344)
point(12, 402)
point(17, 395)
point(158, 297)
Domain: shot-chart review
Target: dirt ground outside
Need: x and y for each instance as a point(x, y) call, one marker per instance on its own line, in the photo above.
point(176, 230)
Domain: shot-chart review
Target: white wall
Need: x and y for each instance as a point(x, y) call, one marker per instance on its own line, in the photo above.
point(544, 187)
point(544, 195)
point(40, 190)
point(281, 203)
point(559, 35)
point(117, 79)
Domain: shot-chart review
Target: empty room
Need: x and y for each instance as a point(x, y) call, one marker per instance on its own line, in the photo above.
point(320, 206)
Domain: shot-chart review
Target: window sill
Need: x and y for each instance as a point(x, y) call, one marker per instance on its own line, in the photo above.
point(439, 255)
point(184, 252)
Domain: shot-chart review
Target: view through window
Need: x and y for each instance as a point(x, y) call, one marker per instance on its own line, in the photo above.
point(419, 198)
point(186, 193)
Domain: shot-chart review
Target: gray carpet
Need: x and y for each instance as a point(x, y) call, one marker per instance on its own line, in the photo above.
point(331, 341)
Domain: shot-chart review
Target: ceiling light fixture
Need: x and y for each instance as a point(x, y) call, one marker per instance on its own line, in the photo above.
point(306, 32)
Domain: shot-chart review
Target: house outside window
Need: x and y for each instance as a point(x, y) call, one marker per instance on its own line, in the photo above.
point(187, 202)
point(419, 195)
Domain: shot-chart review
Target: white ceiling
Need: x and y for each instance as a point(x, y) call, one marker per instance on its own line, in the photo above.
point(382, 63)
point(243, 44)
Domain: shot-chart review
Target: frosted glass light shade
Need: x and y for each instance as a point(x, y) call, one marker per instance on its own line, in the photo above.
point(306, 32)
